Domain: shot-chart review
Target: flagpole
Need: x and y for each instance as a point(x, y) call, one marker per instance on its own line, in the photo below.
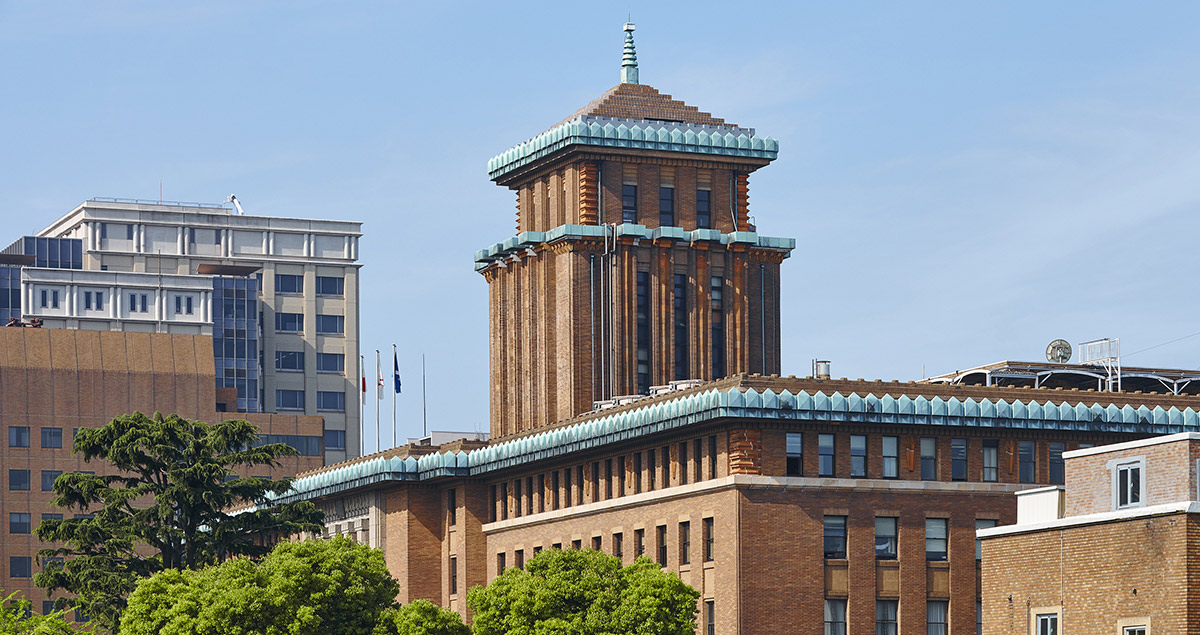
point(362, 415)
point(424, 414)
point(393, 398)
point(378, 399)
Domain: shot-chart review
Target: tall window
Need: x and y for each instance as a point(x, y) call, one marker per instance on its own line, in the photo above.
point(703, 209)
point(1047, 624)
point(1028, 461)
point(885, 538)
point(709, 541)
point(795, 454)
point(662, 545)
point(718, 327)
point(891, 457)
point(500, 562)
point(554, 495)
point(681, 330)
point(453, 575)
point(451, 507)
point(643, 331)
point(937, 617)
point(935, 538)
point(1128, 484)
point(685, 542)
point(710, 618)
point(567, 488)
point(1057, 474)
point(835, 537)
point(958, 459)
point(885, 617)
point(929, 458)
point(683, 463)
point(666, 206)
point(858, 455)
point(629, 203)
point(651, 468)
point(835, 617)
point(698, 457)
point(712, 456)
point(991, 451)
point(825, 464)
point(982, 523)
point(639, 543)
point(618, 544)
point(637, 472)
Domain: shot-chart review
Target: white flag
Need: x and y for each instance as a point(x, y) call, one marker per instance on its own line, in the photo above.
point(379, 374)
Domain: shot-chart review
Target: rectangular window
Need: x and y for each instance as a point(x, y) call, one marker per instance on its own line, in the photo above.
point(825, 465)
point(327, 285)
point(43, 302)
point(703, 209)
point(620, 476)
point(1128, 485)
point(87, 300)
point(289, 399)
point(1057, 473)
point(453, 575)
point(577, 545)
point(18, 480)
point(681, 326)
point(46, 517)
point(935, 538)
point(554, 496)
point(331, 363)
point(19, 523)
point(1028, 461)
point(991, 452)
point(18, 436)
point(698, 458)
point(885, 617)
point(618, 544)
point(709, 541)
point(643, 332)
point(504, 502)
point(929, 459)
point(629, 203)
point(331, 324)
point(858, 456)
point(48, 478)
point(20, 567)
point(982, 523)
point(639, 543)
point(1047, 624)
point(666, 466)
point(937, 617)
point(100, 301)
point(331, 401)
point(891, 457)
point(1134, 630)
point(178, 304)
point(717, 303)
point(835, 617)
point(712, 456)
point(835, 537)
point(661, 534)
point(500, 562)
point(666, 206)
point(289, 284)
point(518, 498)
point(596, 489)
point(710, 618)
point(683, 463)
point(51, 437)
point(187, 304)
point(651, 468)
point(54, 299)
point(541, 498)
point(637, 473)
point(685, 542)
point(597, 543)
point(568, 488)
point(289, 361)
point(885, 538)
point(519, 555)
point(289, 322)
point(335, 439)
point(958, 459)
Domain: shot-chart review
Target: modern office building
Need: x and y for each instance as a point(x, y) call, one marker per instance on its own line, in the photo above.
point(1113, 550)
point(279, 296)
point(794, 505)
point(55, 381)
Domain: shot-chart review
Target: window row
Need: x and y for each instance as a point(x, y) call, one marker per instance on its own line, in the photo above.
point(660, 549)
point(937, 617)
point(326, 362)
point(294, 323)
point(679, 324)
point(20, 480)
point(645, 471)
point(887, 537)
point(922, 458)
point(327, 401)
point(289, 284)
point(18, 437)
point(666, 206)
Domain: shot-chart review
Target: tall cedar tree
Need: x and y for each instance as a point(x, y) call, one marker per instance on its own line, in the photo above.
point(167, 506)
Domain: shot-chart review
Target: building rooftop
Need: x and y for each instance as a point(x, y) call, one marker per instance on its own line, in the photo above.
point(1081, 376)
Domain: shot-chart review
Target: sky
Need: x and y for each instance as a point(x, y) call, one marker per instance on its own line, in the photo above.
point(965, 181)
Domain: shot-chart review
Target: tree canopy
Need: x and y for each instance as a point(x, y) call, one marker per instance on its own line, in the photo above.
point(167, 506)
point(421, 617)
point(17, 618)
point(584, 593)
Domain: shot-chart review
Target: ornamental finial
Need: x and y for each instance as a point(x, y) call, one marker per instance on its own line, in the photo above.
point(629, 68)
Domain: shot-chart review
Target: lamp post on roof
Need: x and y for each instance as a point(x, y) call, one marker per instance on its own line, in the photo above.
point(629, 69)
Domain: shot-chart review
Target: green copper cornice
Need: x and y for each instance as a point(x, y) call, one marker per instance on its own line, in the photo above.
point(640, 134)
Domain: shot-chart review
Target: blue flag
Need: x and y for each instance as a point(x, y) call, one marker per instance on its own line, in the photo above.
point(396, 371)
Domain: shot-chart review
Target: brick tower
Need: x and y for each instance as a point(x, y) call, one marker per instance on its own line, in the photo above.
point(635, 262)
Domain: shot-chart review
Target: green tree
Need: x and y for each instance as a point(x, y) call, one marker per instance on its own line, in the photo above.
point(313, 587)
point(584, 593)
point(17, 618)
point(166, 507)
point(421, 617)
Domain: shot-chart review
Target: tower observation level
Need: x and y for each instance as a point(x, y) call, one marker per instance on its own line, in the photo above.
point(634, 263)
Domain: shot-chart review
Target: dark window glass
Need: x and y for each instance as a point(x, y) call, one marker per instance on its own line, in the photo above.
point(858, 455)
point(662, 545)
point(51, 437)
point(891, 457)
point(19, 523)
point(520, 556)
point(18, 480)
point(651, 468)
point(327, 324)
point(885, 617)
point(685, 543)
point(335, 439)
point(289, 322)
point(958, 459)
point(597, 543)
point(618, 545)
point(835, 617)
point(639, 542)
point(331, 286)
point(825, 466)
point(718, 327)
point(287, 283)
point(712, 456)
point(289, 360)
point(331, 401)
point(1057, 473)
point(500, 562)
point(620, 476)
point(643, 332)
point(629, 203)
point(703, 209)
point(709, 541)
point(795, 454)
point(48, 478)
point(885, 538)
point(683, 463)
point(289, 399)
point(1028, 462)
point(835, 536)
point(991, 451)
point(666, 206)
point(710, 618)
point(20, 567)
point(331, 362)
point(453, 575)
point(935, 538)
point(929, 458)
point(681, 331)
point(637, 473)
point(18, 436)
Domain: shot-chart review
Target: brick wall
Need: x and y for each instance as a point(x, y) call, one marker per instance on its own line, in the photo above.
point(1169, 476)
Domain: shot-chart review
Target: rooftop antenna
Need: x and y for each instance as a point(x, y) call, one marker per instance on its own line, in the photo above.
point(236, 203)
point(629, 67)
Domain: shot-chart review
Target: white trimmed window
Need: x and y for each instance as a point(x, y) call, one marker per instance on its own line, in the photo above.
point(1133, 630)
point(1047, 624)
point(1128, 483)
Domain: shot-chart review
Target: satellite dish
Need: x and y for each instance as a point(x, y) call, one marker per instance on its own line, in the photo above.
point(1059, 352)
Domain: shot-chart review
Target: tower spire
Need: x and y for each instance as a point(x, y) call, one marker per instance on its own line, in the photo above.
point(629, 68)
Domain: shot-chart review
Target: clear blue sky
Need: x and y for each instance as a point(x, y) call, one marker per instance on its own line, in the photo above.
point(965, 181)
